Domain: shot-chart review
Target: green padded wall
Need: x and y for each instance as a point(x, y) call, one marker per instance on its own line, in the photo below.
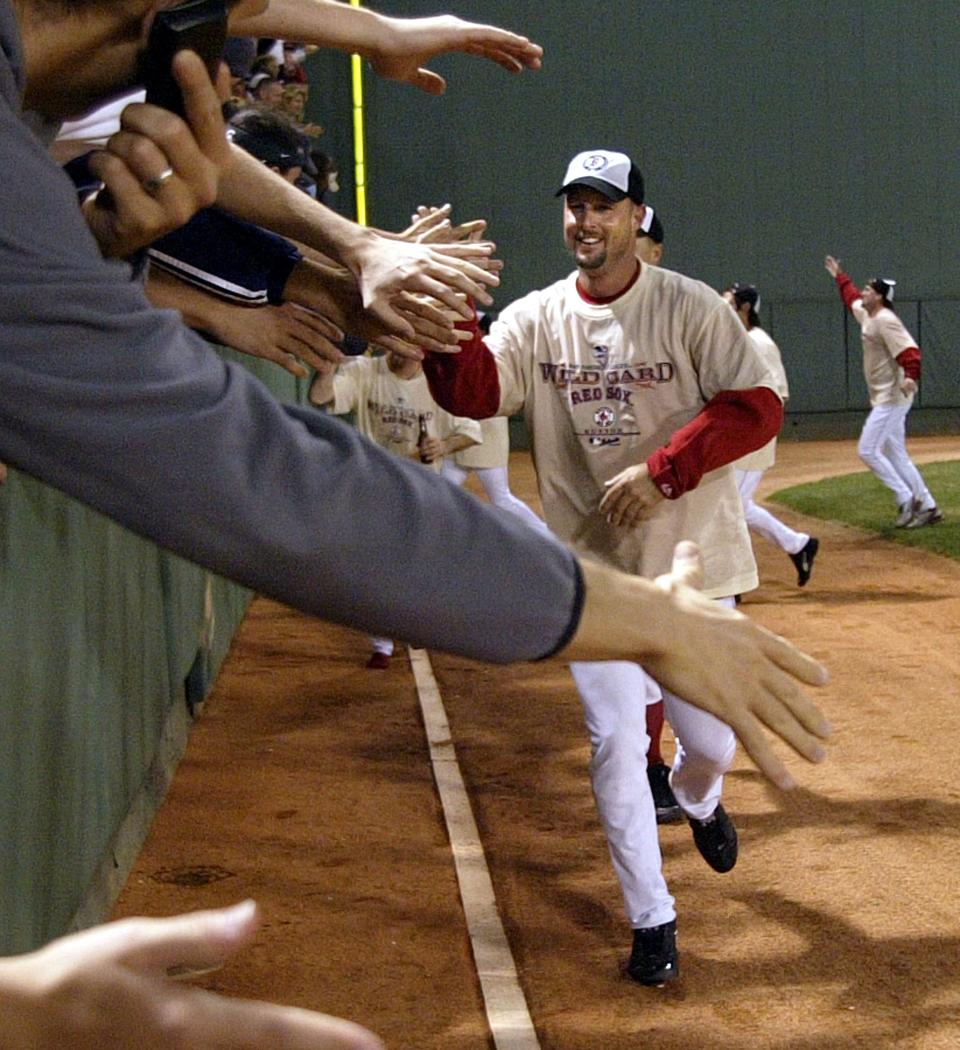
point(85, 688)
point(99, 631)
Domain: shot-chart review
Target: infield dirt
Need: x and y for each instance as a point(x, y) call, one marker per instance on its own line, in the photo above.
point(307, 786)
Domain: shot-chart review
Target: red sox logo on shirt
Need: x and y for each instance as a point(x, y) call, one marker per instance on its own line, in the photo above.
point(616, 383)
point(396, 423)
point(613, 386)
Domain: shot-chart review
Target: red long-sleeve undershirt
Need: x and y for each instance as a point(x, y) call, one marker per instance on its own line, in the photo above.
point(729, 426)
point(849, 292)
point(909, 360)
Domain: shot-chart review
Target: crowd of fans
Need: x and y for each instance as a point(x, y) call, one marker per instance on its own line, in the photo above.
point(267, 74)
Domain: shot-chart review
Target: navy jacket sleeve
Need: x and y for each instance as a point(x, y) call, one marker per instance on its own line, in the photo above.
point(228, 257)
point(119, 405)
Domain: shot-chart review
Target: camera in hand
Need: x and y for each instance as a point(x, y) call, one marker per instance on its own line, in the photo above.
point(200, 26)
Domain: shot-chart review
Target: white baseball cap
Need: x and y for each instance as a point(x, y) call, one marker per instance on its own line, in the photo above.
point(606, 171)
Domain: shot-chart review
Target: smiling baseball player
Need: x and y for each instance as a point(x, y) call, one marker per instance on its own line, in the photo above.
point(639, 386)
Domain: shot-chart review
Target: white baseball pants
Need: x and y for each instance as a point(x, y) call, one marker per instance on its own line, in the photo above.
point(615, 695)
point(761, 521)
point(883, 447)
point(496, 485)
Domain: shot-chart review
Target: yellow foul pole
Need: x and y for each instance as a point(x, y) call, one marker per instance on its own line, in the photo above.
point(359, 150)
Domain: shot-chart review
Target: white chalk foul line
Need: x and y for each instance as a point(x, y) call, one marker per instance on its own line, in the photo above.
point(507, 1013)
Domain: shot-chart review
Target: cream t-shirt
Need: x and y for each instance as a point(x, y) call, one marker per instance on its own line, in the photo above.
point(765, 457)
point(603, 386)
point(388, 409)
point(884, 337)
point(494, 450)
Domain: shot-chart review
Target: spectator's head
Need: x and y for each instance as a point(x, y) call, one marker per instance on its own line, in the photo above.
point(239, 53)
point(293, 55)
point(327, 173)
point(293, 100)
point(265, 64)
point(650, 238)
point(238, 90)
point(265, 91)
point(272, 139)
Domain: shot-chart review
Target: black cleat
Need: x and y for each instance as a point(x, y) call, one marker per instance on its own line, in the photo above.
point(927, 516)
point(803, 560)
point(664, 800)
point(716, 838)
point(653, 960)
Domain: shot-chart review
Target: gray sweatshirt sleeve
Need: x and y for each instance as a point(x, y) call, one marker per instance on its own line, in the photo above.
point(120, 406)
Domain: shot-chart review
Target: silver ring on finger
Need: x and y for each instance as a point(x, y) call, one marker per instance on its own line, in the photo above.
point(153, 185)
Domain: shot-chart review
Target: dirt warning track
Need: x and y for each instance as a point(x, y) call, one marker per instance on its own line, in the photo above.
point(308, 785)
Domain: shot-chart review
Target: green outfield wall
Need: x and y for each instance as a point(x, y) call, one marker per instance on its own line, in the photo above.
point(771, 132)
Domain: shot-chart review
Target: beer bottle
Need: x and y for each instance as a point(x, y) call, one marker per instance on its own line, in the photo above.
point(422, 435)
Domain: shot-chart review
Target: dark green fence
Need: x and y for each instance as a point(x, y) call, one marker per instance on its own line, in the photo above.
point(104, 641)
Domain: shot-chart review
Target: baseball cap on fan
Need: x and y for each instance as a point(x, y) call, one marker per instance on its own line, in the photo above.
point(610, 173)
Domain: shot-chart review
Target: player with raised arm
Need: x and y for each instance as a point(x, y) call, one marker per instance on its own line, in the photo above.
point(891, 368)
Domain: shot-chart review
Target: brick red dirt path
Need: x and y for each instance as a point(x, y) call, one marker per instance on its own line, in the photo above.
point(307, 786)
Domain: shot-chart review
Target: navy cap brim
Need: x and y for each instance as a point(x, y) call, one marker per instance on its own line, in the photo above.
point(610, 192)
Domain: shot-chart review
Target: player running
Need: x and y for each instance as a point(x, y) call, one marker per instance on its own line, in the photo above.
point(638, 386)
point(801, 547)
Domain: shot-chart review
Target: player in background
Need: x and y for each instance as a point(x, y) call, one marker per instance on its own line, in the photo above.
point(801, 547)
point(650, 238)
point(650, 250)
point(640, 387)
point(394, 409)
point(891, 367)
point(489, 460)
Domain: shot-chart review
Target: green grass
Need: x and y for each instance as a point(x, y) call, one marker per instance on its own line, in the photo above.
point(860, 500)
